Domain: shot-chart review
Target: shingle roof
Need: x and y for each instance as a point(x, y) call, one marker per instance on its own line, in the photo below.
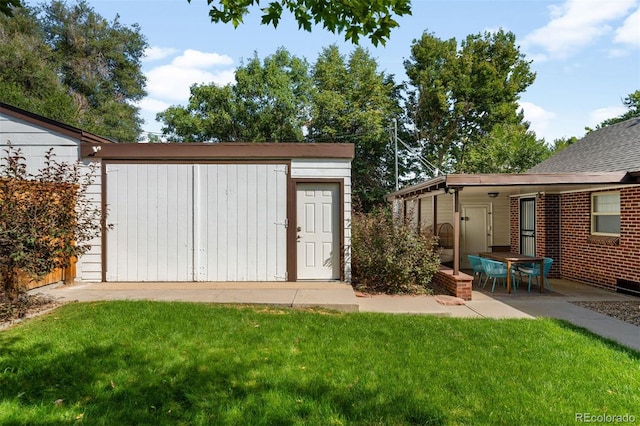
point(614, 148)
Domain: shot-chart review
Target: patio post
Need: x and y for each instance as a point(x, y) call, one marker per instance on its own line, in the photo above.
point(456, 232)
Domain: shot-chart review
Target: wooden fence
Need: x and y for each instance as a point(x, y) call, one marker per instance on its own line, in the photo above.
point(66, 275)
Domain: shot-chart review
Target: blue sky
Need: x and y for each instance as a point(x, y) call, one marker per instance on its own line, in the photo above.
point(586, 53)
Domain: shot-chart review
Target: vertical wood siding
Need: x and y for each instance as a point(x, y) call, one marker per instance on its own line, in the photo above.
point(240, 230)
point(196, 222)
point(150, 207)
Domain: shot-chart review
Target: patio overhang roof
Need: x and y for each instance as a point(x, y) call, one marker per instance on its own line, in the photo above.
point(517, 183)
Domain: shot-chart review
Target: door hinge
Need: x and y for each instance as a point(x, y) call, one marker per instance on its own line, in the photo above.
point(284, 223)
point(284, 277)
point(282, 169)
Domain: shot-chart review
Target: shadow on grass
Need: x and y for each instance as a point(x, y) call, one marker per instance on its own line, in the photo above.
point(634, 354)
point(117, 384)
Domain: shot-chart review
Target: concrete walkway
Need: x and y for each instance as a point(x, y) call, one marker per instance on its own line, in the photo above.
point(340, 296)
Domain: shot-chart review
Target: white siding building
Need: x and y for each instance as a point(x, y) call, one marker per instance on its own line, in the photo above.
point(205, 212)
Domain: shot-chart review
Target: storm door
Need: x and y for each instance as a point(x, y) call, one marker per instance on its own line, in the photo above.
point(528, 226)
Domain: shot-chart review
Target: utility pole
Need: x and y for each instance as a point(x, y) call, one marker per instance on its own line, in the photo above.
point(395, 139)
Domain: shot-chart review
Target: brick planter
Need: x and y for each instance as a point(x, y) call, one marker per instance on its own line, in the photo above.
point(456, 285)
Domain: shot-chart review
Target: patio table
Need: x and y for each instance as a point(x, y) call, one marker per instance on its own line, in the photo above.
point(511, 258)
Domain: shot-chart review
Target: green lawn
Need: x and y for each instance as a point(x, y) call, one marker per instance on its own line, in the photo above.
point(177, 363)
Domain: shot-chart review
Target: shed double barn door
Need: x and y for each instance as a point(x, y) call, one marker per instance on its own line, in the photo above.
point(196, 222)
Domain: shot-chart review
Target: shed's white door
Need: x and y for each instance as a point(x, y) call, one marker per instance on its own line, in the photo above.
point(150, 207)
point(196, 222)
point(240, 228)
point(318, 231)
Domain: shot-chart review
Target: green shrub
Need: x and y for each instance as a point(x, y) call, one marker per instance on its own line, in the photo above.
point(46, 219)
point(392, 258)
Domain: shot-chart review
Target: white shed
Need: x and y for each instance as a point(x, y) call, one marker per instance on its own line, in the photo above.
point(207, 212)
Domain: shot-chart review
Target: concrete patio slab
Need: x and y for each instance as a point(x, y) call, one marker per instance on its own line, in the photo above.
point(402, 305)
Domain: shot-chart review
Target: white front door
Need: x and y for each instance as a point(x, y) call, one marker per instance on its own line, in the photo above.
point(475, 231)
point(318, 231)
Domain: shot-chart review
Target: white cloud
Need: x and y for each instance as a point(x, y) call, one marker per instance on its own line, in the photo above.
point(172, 83)
point(155, 53)
point(574, 25)
point(599, 115)
point(629, 32)
point(169, 84)
point(153, 105)
point(539, 118)
point(195, 59)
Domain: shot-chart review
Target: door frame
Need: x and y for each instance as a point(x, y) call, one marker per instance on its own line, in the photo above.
point(521, 206)
point(292, 213)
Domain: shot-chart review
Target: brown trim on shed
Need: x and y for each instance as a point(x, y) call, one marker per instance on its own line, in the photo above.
point(103, 219)
point(218, 151)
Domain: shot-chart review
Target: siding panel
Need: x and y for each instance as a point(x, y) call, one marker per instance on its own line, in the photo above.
point(240, 207)
point(150, 208)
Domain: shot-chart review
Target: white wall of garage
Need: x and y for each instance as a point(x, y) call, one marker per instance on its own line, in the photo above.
point(196, 222)
point(203, 213)
point(35, 141)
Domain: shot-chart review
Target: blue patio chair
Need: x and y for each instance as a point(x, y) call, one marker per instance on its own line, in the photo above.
point(476, 265)
point(534, 271)
point(494, 269)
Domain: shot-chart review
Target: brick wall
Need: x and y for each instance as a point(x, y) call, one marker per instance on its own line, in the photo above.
point(514, 224)
point(548, 230)
point(455, 285)
point(597, 262)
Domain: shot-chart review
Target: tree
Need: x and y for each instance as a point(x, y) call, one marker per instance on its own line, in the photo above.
point(459, 94)
point(353, 102)
point(75, 67)
point(268, 103)
point(99, 62)
point(36, 87)
point(562, 143)
point(7, 7)
point(45, 219)
point(508, 148)
point(373, 19)
point(632, 103)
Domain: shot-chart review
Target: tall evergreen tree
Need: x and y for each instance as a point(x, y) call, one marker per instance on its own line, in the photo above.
point(354, 102)
point(27, 79)
point(99, 61)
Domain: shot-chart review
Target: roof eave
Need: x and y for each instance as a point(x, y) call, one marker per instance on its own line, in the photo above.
point(488, 180)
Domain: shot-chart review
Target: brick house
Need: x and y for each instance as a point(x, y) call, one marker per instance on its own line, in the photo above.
point(580, 207)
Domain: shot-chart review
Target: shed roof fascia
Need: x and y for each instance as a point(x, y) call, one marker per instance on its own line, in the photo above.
point(52, 125)
point(218, 151)
point(464, 180)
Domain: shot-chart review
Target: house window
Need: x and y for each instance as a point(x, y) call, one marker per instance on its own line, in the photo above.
point(605, 213)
